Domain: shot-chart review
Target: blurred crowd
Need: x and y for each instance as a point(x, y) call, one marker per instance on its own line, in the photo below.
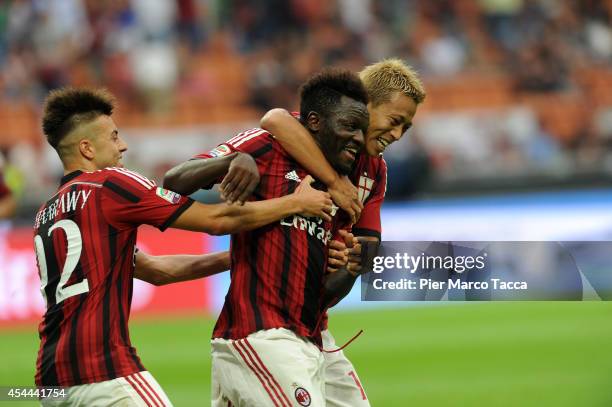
point(191, 62)
point(144, 49)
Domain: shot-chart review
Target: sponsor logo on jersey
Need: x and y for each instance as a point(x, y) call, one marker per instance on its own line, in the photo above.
point(292, 175)
point(334, 209)
point(302, 396)
point(220, 151)
point(313, 226)
point(169, 196)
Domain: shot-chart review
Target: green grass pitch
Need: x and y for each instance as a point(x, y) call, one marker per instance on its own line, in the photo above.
point(484, 354)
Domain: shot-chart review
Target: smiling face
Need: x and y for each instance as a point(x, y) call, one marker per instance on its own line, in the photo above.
point(388, 122)
point(341, 133)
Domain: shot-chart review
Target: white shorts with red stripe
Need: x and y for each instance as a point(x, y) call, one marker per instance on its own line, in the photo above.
point(136, 390)
point(342, 385)
point(273, 367)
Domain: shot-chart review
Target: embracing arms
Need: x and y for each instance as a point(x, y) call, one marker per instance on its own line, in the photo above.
point(222, 219)
point(298, 142)
point(161, 270)
point(241, 179)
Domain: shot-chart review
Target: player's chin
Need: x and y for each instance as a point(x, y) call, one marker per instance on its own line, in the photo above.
point(345, 166)
point(373, 149)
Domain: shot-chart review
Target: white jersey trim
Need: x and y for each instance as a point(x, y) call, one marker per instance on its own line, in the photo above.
point(246, 136)
point(241, 135)
point(142, 180)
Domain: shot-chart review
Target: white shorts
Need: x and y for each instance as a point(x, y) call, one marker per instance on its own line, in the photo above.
point(136, 390)
point(342, 385)
point(273, 367)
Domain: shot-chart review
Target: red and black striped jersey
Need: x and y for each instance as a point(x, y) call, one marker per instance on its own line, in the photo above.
point(84, 239)
point(370, 177)
point(276, 270)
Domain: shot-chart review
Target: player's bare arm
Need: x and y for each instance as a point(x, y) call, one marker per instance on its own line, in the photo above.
point(238, 184)
point(221, 219)
point(298, 142)
point(162, 270)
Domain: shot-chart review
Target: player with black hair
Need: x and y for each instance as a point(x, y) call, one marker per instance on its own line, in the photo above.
point(266, 347)
point(85, 237)
point(395, 92)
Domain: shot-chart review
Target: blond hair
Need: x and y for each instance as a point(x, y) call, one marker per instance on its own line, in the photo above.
point(389, 76)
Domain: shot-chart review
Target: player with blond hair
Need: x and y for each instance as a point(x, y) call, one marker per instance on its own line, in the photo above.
point(267, 340)
point(395, 92)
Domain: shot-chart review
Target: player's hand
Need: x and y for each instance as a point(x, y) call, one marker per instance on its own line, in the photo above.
point(344, 194)
point(337, 255)
point(361, 255)
point(241, 179)
point(345, 253)
point(353, 250)
point(354, 259)
point(314, 202)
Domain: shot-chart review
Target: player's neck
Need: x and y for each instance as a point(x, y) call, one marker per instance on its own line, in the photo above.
point(82, 165)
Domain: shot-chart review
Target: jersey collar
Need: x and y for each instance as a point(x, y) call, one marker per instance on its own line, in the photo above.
point(70, 176)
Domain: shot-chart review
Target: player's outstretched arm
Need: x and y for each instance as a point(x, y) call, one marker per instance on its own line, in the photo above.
point(241, 179)
point(298, 142)
point(161, 270)
point(222, 219)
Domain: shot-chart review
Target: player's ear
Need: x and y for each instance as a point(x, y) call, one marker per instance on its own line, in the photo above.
point(87, 149)
point(313, 121)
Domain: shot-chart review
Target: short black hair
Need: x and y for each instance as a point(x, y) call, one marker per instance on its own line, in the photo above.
point(322, 91)
point(66, 108)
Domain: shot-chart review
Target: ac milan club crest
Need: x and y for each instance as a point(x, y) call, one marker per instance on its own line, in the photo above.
point(302, 396)
point(364, 187)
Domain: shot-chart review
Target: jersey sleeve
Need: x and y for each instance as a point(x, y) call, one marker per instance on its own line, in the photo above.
point(130, 199)
point(256, 142)
point(369, 222)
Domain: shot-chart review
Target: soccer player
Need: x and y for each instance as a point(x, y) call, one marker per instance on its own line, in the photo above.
point(395, 92)
point(266, 347)
point(84, 239)
point(7, 201)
